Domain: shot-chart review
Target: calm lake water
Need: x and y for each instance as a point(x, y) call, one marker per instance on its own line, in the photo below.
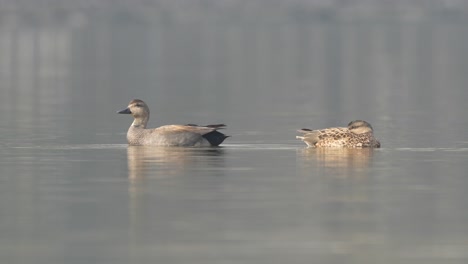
point(72, 191)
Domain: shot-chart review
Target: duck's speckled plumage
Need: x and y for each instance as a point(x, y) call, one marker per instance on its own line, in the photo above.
point(358, 134)
point(170, 135)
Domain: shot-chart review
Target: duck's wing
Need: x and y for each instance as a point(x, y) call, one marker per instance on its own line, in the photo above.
point(322, 136)
point(189, 135)
point(189, 128)
point(215, 126)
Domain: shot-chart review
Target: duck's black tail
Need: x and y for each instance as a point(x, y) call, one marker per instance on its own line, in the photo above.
point(215, 137)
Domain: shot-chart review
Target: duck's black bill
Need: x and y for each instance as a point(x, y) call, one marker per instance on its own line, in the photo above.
point(125, 111)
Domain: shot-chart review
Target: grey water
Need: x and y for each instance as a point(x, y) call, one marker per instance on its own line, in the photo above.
point(72, 191)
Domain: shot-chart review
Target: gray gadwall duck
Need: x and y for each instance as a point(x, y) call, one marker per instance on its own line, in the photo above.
point(358, 134)
point(189, 135)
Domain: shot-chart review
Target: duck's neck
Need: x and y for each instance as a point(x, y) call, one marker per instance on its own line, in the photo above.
point(140, 122)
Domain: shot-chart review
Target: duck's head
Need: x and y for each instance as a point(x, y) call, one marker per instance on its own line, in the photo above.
point(359, 127)
point(137, 108)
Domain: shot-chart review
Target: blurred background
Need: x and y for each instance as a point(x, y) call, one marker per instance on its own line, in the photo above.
point(71, 191)
point(256, 65)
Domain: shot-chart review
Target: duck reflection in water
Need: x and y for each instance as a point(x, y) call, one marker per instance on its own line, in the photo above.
point(167, 161)
point(338, 158)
